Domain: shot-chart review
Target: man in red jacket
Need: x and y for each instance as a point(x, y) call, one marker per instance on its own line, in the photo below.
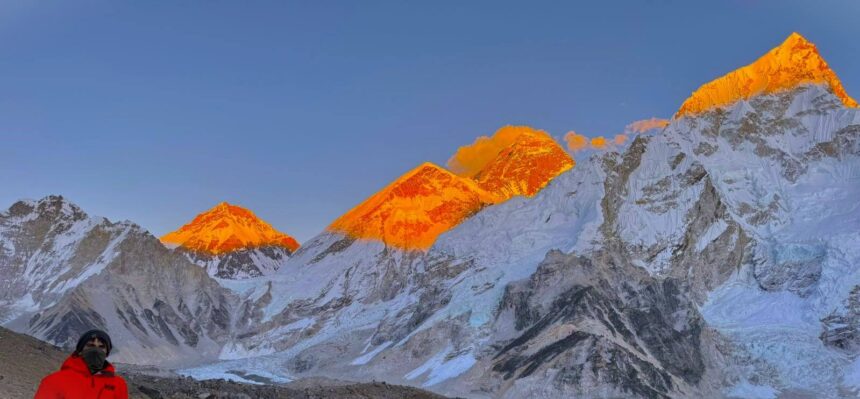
point(85, 374)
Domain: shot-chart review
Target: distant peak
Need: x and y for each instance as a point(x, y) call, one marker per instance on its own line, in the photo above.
point(51, 206)
point(227, 228)
point(59, 205)
point(793, 63)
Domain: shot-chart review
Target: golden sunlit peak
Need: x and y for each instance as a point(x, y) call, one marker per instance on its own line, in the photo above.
point(469, 160)
point(227, 228)
point(412, 211)
point(524, 166)
point(794, 62)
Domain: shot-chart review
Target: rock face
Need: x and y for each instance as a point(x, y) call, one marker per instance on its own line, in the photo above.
point(240, 263)
point(582, 327)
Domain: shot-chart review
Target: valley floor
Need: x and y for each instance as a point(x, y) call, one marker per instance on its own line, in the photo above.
point(24, 361)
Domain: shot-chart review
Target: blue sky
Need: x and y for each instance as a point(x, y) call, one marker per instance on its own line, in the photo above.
point(154, 111)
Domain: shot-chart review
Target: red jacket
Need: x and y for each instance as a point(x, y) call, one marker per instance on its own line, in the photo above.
point(74, 381)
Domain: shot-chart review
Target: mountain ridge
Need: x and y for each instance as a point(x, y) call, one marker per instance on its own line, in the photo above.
point(794, 62)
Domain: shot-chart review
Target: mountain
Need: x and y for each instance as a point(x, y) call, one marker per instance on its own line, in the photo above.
point(414, 209)
point(65, 272)
point(714, 258)
point(411, 212)
point(49, 247)
point(793, 63)
point(525, 166)
point(231, 242)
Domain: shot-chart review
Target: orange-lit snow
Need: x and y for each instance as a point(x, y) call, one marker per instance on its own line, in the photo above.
point(412, 211)
point(227, 228)
point(794, 62)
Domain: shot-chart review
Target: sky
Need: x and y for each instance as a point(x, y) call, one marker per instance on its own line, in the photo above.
point(154, 111)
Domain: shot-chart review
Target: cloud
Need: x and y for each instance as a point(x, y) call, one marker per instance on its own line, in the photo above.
point(578, 142)
point(470, 159)
point(646, 125)
point(598, 143)
point(575, 141)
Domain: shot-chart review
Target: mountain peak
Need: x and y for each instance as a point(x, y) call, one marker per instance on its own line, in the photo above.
point(51, 206)
point(227, 228)
point(525, 166)
point(413, 210)
point(793, 63)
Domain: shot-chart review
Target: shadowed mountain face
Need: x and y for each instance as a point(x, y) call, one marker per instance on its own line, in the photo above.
point(48, 247)
point(67, 272)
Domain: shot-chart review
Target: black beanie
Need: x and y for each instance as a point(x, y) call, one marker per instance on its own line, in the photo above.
point(103, 336)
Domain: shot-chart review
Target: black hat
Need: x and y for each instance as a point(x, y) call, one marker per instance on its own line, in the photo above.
point(103, 336)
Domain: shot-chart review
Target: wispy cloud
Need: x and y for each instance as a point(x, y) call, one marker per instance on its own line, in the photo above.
point(578, 142)
point(470, 159)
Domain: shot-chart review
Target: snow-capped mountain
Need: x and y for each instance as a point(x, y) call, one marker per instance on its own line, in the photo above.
point(411, 212)
point(714, 258)
point(49, 247)
point(65, 272)
point(231, 242)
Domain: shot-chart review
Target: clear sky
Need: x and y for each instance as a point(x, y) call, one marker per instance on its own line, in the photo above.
point(154, 111)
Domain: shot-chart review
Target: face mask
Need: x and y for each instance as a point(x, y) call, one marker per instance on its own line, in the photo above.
point(94, 358)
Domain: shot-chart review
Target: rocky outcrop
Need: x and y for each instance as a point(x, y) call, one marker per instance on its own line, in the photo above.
point(48, 247)
point(581, 326)
point(240, 263)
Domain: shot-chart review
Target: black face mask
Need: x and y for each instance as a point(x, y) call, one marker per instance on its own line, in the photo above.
point(94, 358)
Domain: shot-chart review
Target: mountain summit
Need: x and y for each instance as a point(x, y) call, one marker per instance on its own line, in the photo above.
point(231, 242)
point(227, 228)
point(526, 165)
point(414, 209)
point(793, 63)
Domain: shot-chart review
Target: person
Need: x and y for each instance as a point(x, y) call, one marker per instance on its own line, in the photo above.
point(85, 374)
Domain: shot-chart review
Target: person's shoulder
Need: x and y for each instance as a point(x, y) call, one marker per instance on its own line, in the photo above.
point(50, 385)
point(119, 379)
point(56, 375)
point(121, 386)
